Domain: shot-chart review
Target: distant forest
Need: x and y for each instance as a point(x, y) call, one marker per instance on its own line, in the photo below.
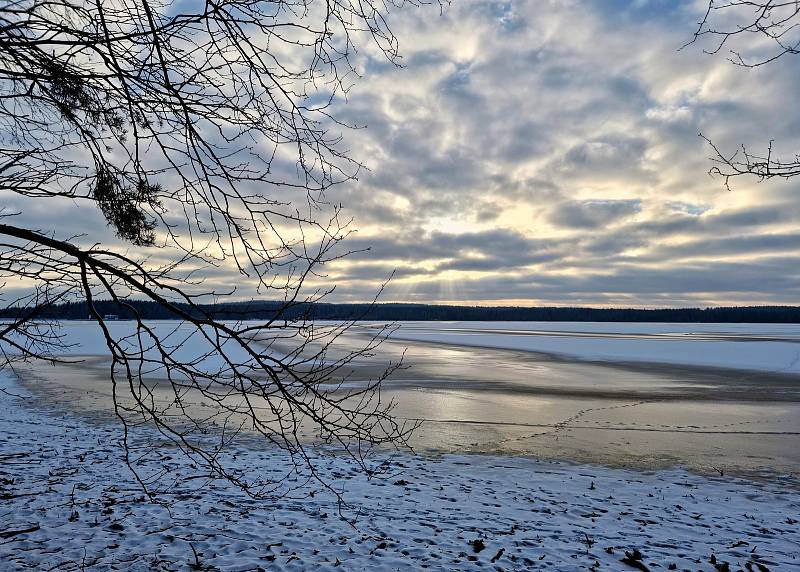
point(424, 312)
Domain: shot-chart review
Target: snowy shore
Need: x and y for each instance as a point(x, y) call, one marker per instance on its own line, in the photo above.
point(69, 504)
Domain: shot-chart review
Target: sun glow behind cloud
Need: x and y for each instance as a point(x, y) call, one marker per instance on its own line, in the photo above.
point(548, 153)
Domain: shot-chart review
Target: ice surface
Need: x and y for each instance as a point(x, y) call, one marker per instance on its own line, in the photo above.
point(762, 347)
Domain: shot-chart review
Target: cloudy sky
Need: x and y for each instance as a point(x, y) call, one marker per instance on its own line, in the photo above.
point(548, 153)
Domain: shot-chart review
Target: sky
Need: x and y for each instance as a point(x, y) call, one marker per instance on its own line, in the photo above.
point(547, 153)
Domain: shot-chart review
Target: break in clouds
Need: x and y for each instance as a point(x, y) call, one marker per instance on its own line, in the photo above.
point(548, 152)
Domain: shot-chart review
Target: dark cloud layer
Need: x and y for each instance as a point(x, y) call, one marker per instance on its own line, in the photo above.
point(593, 214)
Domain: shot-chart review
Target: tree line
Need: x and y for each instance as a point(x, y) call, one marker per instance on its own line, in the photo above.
point(271, 310)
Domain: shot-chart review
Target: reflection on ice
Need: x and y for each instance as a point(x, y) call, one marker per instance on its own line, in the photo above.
point(483, 399)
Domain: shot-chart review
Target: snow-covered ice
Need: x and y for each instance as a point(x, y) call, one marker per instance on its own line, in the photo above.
point(762, 347)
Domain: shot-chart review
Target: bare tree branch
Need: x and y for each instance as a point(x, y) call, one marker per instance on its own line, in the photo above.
point(727, 23)
point(756, 33)
point(206, 136)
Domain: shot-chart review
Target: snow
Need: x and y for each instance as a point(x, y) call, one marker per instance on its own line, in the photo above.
point(761, 347)
point(182, 341)
point(61, 479)
point(69, 503)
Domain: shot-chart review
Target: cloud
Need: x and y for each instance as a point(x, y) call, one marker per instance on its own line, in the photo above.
point(547, 152)
point(593, 214)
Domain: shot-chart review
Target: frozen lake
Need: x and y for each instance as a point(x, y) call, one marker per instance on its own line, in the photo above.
point(706, 396)
point(710, 397)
